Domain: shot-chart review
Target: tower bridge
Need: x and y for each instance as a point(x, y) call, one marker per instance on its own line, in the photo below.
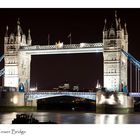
point(18, 51)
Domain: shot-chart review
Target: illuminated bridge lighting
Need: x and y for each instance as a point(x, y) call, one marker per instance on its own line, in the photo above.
point(134, 94)
point(65, 49)
point(41, 95)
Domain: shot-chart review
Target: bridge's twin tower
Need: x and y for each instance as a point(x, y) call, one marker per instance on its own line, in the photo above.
point(17, 65)
point(115, 38)
point(17, 59)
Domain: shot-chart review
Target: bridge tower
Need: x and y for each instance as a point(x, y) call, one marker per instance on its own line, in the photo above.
point(115, 38)
point(13, 68)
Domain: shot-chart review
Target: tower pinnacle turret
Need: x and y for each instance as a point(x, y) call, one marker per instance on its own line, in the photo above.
point(6, 33)
point(116, 20)
point(119, 26)
point(115, 13)
point(125, 29)
point(6, 36)
point(19, 31)
point(105, 27)
point(18, 21)
point(18, 27)
point(29, 40)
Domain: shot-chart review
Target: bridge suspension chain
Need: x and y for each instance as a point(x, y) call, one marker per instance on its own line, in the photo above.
point(131, 58)
point(1, 58)
point(137, 70)
point(2, 71)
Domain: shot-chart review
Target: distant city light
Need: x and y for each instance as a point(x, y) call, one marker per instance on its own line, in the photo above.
point(98, 86)
point(33, 89)
point(82, 45)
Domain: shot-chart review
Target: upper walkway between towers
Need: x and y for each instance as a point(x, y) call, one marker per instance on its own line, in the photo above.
point(61, 48)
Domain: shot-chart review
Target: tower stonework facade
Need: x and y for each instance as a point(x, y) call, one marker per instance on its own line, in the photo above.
point(115, 38)
point(15, 61)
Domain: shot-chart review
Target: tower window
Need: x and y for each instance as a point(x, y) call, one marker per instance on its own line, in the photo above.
point(112, 33)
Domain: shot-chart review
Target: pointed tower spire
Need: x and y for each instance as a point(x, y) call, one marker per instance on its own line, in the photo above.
point(105, 27)
point(18, 27)
point(18, 21)
point(29, 40)
point(98, 86)
point(6, 33)
point(119, 26)
point(116, 20)
point(6, 38)
point(29, 35)
point(115, 13)
point(125, 29)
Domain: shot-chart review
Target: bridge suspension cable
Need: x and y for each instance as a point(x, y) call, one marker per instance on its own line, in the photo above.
point(136, 63)
point(132, 59)
point(2, 71)
point(1, 58)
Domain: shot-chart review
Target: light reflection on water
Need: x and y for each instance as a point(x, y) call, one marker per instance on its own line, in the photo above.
point(76, 118)
point(110, 119)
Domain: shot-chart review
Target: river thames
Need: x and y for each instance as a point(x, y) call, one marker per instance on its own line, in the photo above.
point(76, 117)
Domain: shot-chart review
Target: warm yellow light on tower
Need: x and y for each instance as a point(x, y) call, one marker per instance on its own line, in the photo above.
point(15, 99)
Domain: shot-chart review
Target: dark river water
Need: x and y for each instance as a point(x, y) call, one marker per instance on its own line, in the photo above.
point(73, 117)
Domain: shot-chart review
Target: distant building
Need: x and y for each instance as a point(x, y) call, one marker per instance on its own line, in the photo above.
point(66, 86)
point(75, 88)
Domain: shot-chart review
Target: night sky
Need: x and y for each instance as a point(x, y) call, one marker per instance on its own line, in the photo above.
point(85, 25)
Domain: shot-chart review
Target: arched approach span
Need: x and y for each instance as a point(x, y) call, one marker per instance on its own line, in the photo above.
point(29, 96)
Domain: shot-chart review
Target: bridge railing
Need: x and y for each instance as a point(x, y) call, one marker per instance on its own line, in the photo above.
point(67, 46)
